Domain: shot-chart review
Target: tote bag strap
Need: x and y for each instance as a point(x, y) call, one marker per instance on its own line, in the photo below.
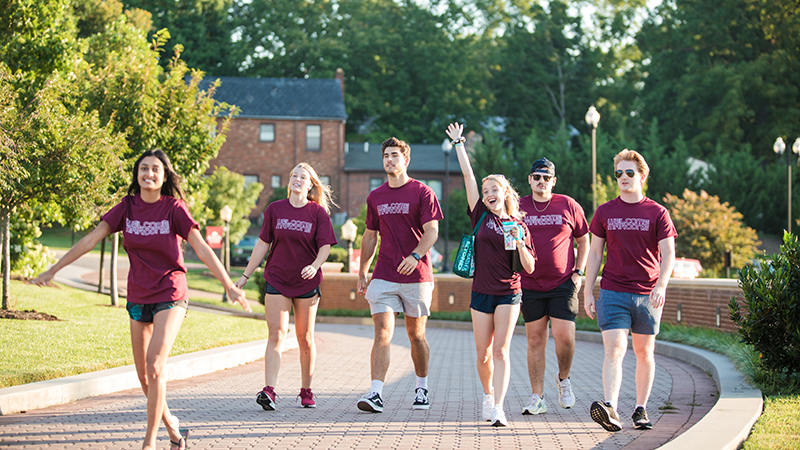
point(477, 225)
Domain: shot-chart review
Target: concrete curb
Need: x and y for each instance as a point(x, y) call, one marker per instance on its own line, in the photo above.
point(69, 389)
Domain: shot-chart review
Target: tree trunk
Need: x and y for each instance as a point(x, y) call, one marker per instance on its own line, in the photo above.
point(113, 282)
point(102, 261)
point(5, 216)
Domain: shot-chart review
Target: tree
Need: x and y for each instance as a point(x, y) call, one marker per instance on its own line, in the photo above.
point(228, 188)
point(722, 72)
point(708, 228)
point(54, 156)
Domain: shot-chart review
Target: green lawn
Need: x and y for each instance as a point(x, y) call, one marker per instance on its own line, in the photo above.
point(92, 335)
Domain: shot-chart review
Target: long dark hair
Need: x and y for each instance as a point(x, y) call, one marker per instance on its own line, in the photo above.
point(172, 181)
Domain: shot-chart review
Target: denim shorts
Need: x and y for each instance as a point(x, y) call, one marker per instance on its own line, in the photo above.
point(144, 312)
point(310, 294)
point(486, 303)
point(560, 302)
point(622, 310)
point(411, 299)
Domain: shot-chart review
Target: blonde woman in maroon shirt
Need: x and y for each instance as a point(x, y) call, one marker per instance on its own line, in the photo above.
point(496, 287)
point(154, 221)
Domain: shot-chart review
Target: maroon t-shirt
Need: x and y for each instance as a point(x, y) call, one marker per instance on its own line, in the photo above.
point(493, 274)
point(152, 234)
point(552, 231)
point(398, 214)
point(296, 235)
point(632, 232)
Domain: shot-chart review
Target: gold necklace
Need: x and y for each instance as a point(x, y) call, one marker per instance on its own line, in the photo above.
point(545, 206)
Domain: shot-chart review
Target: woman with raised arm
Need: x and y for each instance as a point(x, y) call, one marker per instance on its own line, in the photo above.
point(297, 233)
point(496, 287)
point(154, 221)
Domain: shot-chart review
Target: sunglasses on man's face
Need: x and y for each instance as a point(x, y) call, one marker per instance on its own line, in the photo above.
point(546, 178)
point(629, 172)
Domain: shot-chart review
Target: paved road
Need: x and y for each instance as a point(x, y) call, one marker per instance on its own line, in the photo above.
point(221, 411)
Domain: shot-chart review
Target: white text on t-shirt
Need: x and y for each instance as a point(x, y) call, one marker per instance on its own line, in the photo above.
point(293, 225)
point(146, 228)
point(393, 208)
point(552, 219)
point(629, 224)
point(493, 226)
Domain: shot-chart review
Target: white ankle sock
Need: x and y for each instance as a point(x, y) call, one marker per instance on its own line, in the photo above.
point(376, 386)
point(422, 382)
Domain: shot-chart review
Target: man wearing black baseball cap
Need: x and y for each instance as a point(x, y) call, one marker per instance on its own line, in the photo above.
point(555, 221)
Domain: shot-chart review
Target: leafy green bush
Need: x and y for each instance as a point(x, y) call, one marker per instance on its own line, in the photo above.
point(258, 277)
point(29, 258)
point(707, 228)
point(772, 301)
point(338, 254)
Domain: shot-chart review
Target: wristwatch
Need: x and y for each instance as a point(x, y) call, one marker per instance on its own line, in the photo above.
point(416, 256)
point(579, 272)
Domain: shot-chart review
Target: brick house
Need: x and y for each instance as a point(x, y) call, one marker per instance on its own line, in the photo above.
point(281, 123)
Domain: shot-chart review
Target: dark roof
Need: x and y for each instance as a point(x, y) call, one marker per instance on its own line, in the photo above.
point(281, 98)
point(424, 158)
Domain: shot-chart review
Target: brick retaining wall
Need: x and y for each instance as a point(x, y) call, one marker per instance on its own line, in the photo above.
point(702, 302)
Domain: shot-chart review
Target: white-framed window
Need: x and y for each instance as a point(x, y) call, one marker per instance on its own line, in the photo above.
point(275, 182)
point(325, 180)
point(313, 137)
point(435, 185)
point(250, 179)
point(375, 183)
point(266, 132)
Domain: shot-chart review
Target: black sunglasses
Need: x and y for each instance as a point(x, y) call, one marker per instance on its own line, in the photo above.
point(546, 178)
point(629, 172)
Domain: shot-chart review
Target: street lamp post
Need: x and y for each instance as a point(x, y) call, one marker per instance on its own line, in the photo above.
point(446, 148)
point(779, 147)
point(349, 231)
point(593, 118)
point(226, 214)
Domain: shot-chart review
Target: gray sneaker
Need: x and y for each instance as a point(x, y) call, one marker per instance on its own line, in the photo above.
point(535, 406)
point(640, 420)
point(565, 396)
point(421, 399)
point(605, 415)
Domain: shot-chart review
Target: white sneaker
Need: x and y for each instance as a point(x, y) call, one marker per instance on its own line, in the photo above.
point(535, 406)
point(499, 417)
point(488, 404)
point(565, 396)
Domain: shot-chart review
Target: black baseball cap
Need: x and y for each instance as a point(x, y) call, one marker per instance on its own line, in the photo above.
point(544, 165)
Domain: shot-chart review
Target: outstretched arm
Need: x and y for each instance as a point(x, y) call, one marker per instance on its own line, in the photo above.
point(85, 245)
point(210, 259)
point(454, 131)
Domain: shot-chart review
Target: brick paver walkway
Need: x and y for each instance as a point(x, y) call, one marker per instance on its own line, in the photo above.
point(221, 412)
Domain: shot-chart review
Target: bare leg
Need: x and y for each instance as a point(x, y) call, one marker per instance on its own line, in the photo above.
point(505, 319)
point(564, 337)
point(384, 330)
point(276, 309)
point(420, 351)
point(305, 315)
point(644, 348)
point(483, 329)
point(615, 343)
point(536, 332)
point(155, 341)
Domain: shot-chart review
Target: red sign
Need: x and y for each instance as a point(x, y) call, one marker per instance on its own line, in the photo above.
point(214, 237)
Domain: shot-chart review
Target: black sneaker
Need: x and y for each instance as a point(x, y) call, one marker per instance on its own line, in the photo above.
point(371, 402)
point(421, 399)
point(605, 415)
point(640, 420)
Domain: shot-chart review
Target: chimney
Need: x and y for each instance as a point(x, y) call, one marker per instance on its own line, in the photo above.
point(340, 76)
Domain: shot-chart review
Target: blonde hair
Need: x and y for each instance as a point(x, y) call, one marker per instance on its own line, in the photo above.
point(321, 194)
point(512, 196)
point(633, 155)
